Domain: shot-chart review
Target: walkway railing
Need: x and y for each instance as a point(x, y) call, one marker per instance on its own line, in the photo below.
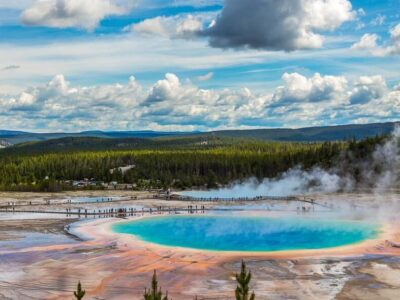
point(117, 212)
point(177, 197)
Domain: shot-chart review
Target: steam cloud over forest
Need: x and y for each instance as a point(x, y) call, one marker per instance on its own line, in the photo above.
point(379, 172)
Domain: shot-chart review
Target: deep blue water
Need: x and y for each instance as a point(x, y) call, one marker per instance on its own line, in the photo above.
point(247, 233)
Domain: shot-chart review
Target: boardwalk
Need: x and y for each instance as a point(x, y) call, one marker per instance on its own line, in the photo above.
point(126, 212)
point(54, 207)
point(120, 212)
point(177, 197)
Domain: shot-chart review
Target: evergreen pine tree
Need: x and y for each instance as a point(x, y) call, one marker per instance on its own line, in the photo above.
point(79, 293)
point(154, 293)
point(242, 289)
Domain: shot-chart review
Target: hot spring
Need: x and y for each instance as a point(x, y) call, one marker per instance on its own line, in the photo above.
point(247, 233)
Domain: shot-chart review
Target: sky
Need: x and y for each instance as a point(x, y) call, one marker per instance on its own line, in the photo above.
point(197, 65)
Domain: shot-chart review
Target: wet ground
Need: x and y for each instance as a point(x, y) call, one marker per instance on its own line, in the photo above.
point(39, 259)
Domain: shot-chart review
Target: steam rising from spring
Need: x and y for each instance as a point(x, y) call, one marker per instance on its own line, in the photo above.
point(297, 181)
point(385, 158)
point(388, 158)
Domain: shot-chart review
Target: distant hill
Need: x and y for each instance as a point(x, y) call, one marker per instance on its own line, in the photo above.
point(68, 144)
point(309, 134)
point(10, 133)
point(17, 137)
point(79, 144)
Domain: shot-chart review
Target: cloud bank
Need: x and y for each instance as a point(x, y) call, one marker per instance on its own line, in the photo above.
point(173, 104)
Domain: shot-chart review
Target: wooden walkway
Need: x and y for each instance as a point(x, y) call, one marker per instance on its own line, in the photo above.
point(173, 197)
point(121, 212)
point(176, 197)
point(125, 212)
point(75, 210)
point(248, 199)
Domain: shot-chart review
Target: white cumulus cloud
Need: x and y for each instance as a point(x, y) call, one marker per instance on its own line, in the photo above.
point(69, 13)
point(369, 43)
point(317, 88)
point(184, 27)
point(368, 88)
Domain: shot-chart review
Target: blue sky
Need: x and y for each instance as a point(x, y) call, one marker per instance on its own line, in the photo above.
point(66, 63)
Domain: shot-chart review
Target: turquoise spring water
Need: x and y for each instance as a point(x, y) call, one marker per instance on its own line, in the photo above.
point(247, 233)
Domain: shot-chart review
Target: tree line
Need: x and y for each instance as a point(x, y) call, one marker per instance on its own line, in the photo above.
point(178, 168)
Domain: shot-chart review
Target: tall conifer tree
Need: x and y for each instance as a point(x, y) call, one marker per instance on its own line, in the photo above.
point(154, 293)
point(243, 280)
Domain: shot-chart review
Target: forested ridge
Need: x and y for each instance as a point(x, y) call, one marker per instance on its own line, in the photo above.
point(308, 134)
point(178, 163)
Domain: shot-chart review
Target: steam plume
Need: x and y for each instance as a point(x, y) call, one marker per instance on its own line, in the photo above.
point(380, 173)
